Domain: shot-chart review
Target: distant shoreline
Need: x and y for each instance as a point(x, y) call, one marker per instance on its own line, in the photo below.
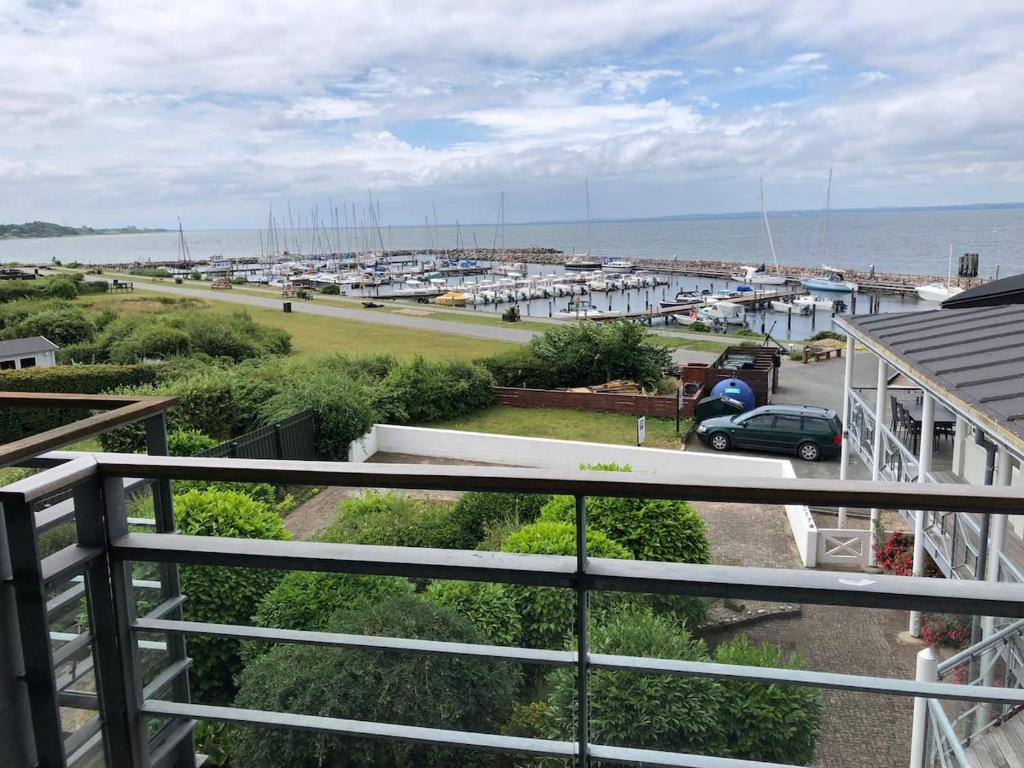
point(47, 229)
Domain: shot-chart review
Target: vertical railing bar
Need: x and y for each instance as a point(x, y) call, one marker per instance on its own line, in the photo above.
point(16, 716)
point(163, 512)
point(30, 595)
point(582, 650)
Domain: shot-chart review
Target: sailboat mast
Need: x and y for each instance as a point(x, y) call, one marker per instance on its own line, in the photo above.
point(949, 268)
point(586, 185)
point(828, 204)
point(768, 229)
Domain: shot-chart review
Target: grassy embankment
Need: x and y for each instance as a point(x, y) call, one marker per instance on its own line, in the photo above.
point(614, 428)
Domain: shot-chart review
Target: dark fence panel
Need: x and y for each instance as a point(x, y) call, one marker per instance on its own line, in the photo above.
point(290, 438)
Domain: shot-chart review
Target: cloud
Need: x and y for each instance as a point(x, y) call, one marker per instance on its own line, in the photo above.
point(111, 108)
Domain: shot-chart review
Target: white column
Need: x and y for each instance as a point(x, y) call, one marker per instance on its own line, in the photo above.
point(924, 460)
point(844, 455)
point(881, 388)
point(996, 535)
point(927, 672)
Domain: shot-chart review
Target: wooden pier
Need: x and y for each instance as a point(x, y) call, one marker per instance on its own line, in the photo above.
point(755, 300)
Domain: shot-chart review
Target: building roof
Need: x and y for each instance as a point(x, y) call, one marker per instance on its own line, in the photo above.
point(1009, 290)
point(974, 356)
point(26, 346)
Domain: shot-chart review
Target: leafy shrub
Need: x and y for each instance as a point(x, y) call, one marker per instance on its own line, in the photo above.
point(225, 595)
point(156, 342)
point(149, 272)
point(770, 723)
point(188, 442)
point(944, 629)
point(62, 286)
point(822, 335)
point(699, 327)
point(489, 608)
point(389, 520)
point(264, 493)
point(414, 689)
point(548, 613)
point(330, 290)
point(664, 712)
point(61, 326)
point(475, 512)
point(518, 367)
point(89, 353)
point(344, 409)
point(420, 390)
point(651, 529)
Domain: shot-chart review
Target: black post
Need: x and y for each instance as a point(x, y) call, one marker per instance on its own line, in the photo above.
point(582, 694)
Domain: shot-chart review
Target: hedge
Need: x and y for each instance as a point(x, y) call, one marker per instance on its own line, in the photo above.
point(488, 607)
point(389, 520)
point(16, 423)
point(420, 390)
point(476, 512)
point(438, 691)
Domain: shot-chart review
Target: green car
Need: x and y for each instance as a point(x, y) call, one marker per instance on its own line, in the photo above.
point(811, 433)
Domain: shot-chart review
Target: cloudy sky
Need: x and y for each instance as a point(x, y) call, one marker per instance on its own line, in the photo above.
point(116, 112)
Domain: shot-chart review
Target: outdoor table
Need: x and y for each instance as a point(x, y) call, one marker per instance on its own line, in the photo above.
point(943, 418)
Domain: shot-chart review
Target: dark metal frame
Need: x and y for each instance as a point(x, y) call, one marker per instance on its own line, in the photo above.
point(98, 483)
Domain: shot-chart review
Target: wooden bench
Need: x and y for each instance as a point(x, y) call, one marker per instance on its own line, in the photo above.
point(821, 354)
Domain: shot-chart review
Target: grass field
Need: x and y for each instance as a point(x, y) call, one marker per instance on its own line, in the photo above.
point(316, 335)
point(557, 423)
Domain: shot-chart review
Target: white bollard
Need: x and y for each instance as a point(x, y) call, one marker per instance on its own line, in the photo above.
point(927, 672)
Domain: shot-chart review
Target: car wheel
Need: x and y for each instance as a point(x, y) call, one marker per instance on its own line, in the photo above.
point(720, 441)
point(808, 451)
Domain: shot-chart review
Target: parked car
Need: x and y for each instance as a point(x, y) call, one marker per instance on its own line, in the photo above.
point(810, 432)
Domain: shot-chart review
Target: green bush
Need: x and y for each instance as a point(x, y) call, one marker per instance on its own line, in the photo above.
point(61, 326)
point(660, 712)
point(155, 341)
point(149, 272)
point(420, 390)
point(62, 286)
point(489, 608)
point(475, 512)
point(330, 290)
point(343, 406)
point(518, 367)
point(224, 595)
point(699, 327)
point(770, 723)
point(411, 689)
point(16, 423)
point(822, 335)
point(189, 442)
point(389, 520)
point(548, 613)
point(651, 529)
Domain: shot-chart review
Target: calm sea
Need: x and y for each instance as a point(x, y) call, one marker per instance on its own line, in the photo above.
point(914, 241)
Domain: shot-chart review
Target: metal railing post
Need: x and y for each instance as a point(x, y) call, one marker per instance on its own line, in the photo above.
point(125, 741)
point(163, 513)
point(927, 672)
point(16, 732)
point(582, 693)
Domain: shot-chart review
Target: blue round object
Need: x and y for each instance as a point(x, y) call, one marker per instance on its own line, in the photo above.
point(735, 389)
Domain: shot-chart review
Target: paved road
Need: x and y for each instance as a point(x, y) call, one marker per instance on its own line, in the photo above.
point(493, 333)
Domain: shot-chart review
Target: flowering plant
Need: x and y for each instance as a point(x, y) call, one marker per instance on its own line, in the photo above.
point(946, 629)
point(895, 556)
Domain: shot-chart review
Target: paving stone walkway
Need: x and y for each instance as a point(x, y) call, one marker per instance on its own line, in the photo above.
point(859, 731)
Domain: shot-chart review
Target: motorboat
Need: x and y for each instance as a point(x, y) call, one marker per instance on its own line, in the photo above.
point(830, 279)
point(683, 299)
point(581, 262)
point(814, 303)
point(579, 309)
point(723, 313)
point(786, 307)
point(758, 276)
point(451, 299)
point(618, 265)
point(686, 318)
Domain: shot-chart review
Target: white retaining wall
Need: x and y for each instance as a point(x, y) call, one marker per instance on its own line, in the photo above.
point(569, 454)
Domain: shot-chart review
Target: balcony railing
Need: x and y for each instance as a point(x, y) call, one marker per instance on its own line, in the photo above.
point(138, 688)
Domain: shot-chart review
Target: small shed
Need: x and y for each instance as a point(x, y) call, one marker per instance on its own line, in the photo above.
point(30, 352)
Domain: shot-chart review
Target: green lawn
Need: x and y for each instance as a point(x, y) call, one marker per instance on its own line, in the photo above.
point(557, 423)
point(316, 335)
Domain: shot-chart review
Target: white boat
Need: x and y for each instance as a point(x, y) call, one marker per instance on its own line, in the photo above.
point(723, 313)
point(686, 318)
point(758, 276)
point(581, 262)
point(579, 309)
point(830, 279)
point(786, 307)
point(618, 265)
point(683, 299)
point(814, 303)
point(938, 291)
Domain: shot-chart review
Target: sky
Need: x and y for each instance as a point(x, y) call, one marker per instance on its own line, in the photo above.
point(115, 113)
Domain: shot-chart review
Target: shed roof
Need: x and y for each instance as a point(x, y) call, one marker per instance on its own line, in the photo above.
point(26, 346)
point(975, 356)
point(1009, 290)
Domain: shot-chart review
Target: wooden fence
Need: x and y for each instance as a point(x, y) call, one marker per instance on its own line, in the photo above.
point(656, 406)
point(291, 438)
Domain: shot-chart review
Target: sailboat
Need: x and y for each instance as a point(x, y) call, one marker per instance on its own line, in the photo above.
point(938, 291)
point(582, 262)
point(830, 278)
point(760, 275)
